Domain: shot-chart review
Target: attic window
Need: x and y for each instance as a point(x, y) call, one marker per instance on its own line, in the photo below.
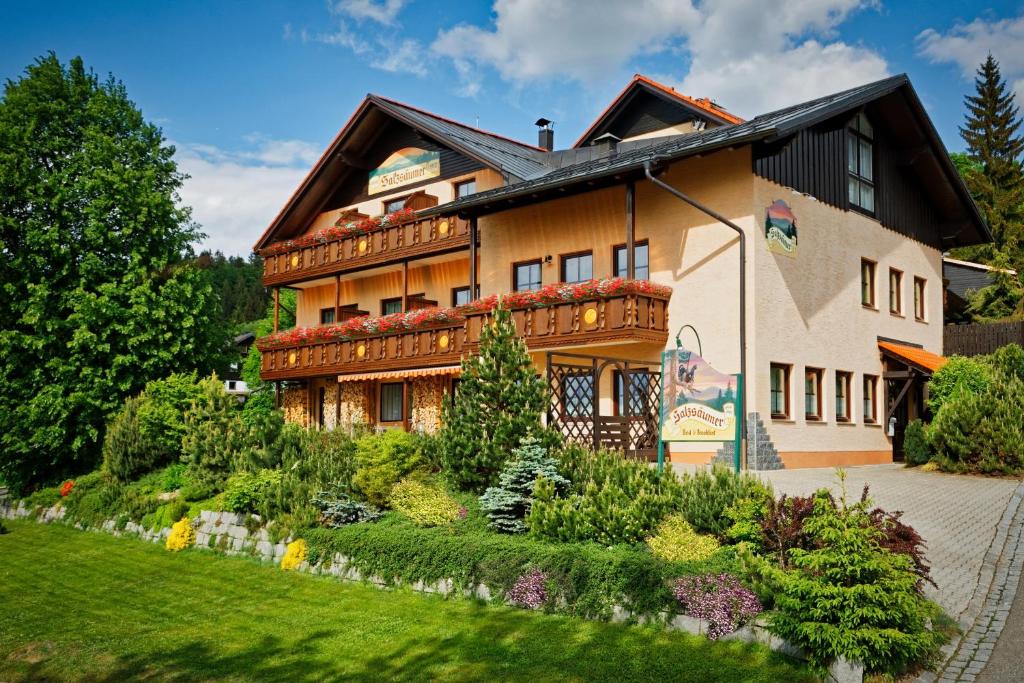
point(860, 163)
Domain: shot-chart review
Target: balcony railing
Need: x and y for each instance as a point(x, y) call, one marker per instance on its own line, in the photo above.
point(442, 336)
point(287, 263)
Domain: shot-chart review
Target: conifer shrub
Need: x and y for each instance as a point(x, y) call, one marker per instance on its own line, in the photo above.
point(508, 503)
point(915, 444)
point(611, 499)
point(251, 491)
point(382, 460)
point(705, 496)
point(126, 452)
point(676, 541)
point(214, 435)
point(162, 407)
point(1007, 360)
point(337, 509)
point(424, 504)
point(174, 477)
point(982, 431)
point(958, 377)
point(499, 402)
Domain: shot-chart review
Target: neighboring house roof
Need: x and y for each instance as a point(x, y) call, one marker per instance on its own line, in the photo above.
point(703, 107)
point(926, 361)
point(964, 277)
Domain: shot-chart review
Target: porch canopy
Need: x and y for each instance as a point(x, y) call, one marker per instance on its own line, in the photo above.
point(923, 361)
point(401, 374)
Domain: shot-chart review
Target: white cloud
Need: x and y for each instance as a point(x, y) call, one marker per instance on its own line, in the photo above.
point(381, 12)
point(405, 56)
point(408, 57)
point(235, 195)
point(967, 45)
point(750, 55)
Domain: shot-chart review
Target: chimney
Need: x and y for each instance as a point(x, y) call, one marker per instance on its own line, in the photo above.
point(607, 144)
point(546, 134)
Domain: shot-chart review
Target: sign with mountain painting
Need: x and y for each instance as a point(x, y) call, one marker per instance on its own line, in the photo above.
point(780, 228)
point(698, 401)
point(406, 166)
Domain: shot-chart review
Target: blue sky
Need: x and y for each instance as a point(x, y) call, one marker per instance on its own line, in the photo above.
point(251, 92)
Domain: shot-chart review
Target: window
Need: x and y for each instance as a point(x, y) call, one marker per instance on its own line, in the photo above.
point(780, 391)
point(867, 283)
point(465, 188)
point(392, 205)
point(812, 393)
point(326, 316)
point(578, 394)
point(460, 296)
point(389, 306)
point(578, 267)
point(870, 414)
point(843, 396)
point(919, 306)
point(895, 292)
point(641, 263)
point(526, 276)
point(391, 402)
point(641, 387)
point(859, 163)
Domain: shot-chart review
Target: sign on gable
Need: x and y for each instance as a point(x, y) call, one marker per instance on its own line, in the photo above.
point(406, 166)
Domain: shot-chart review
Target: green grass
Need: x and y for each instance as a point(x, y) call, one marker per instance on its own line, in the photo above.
point(83, 605)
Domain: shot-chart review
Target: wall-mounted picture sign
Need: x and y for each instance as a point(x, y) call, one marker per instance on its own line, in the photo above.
point(406, 166)
point(698, 401)
point(780, 228)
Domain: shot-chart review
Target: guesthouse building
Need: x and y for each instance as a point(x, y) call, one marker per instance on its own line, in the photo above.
point(795, 258)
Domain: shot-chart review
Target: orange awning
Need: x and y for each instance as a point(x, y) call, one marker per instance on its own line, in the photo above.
point(401, 374)
point(910, 355)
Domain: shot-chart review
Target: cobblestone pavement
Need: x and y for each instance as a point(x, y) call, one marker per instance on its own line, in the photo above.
point(972, 527)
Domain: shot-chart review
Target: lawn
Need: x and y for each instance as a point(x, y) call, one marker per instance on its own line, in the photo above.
point(83, 605)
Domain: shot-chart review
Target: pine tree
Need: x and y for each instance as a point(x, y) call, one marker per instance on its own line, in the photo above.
point(508, 503)
point(499, 402)
point(996, 177)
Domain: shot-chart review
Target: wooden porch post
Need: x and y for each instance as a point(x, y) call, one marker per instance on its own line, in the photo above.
point(277, 306)
point(337, 301)
point(337, 407)
point(472, 259)
point(277, 395)
point(405, 286)
point(630, 230)
point(405, 404)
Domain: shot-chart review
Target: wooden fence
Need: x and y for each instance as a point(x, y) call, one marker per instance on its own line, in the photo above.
point(976, 339)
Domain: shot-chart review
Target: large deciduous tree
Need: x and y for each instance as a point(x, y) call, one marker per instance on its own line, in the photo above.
point(98, 293)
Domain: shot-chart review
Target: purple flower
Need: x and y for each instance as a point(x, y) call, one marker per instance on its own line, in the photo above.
point(530, 590)
point(718, 599)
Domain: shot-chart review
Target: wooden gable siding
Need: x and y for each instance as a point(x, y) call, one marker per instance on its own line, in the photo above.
point(646, 113)
point(813, 161)
point(354, 189)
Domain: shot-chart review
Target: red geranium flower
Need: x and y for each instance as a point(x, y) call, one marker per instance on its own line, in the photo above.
point(66, 488)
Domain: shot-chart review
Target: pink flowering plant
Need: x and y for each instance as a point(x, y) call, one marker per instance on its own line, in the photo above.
point(346, 226)
point(530, 590)
point(426, 318)
point(718, 599)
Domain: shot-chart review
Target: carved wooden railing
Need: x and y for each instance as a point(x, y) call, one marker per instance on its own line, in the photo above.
point(379, 246)
point(615, 318)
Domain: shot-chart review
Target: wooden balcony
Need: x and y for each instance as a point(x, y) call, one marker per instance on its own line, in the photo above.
point(380, 246)
point(616, 318)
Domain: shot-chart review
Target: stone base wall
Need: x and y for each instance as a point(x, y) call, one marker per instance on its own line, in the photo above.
point(427, 398)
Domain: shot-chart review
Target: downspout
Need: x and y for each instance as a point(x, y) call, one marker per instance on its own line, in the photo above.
point(740, 455)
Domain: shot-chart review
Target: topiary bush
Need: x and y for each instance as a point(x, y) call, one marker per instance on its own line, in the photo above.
point(960, 375)
point(423, 503)
point(382, 460)
point(705, 496)
point(915, 444)
point(676, 541)
point(508, 503)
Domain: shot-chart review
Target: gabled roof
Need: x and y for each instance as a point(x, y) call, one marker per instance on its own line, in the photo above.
point(513, 159)
point(702, 107)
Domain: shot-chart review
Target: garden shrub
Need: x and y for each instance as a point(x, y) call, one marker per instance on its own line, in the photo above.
point(958, 376)
point(849, 596)
point(424, 504)
point(337, 509)
point(214, 434)
point(1007, 360)
point(166, 515)
point(499, 402)
point(584, 579)
point(251, 491)
point(529, 591)
point(382, 460)
point(611, 500)
point(193, 491)
point(126, 452)
point(312, 461)
point(676, 541)
point(294, 555)
point(705, 496)
point(43, 498)
point(182, 535)
point(162, 407)
point(719, 599)
point(98, 497)
point(174, 477)
point(915, 444)
point(508, 503)
point(982, 431)
point(3, 528)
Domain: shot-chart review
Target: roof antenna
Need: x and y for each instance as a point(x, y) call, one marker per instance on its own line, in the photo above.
point(478, 121)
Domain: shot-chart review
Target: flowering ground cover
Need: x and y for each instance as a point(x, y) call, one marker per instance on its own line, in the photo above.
point(77, 605)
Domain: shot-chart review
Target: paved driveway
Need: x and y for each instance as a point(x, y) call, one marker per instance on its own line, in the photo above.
point(972, 528)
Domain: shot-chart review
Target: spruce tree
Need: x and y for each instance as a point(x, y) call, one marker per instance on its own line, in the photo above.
point(996, 177)
point(499, 402)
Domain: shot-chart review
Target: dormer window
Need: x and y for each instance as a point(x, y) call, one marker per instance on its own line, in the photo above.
point(860, 163)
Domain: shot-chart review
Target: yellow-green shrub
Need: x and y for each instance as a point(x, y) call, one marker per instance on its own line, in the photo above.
point(294, 555)
point(676, 541)
point(182, 535)
point(424, 504)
